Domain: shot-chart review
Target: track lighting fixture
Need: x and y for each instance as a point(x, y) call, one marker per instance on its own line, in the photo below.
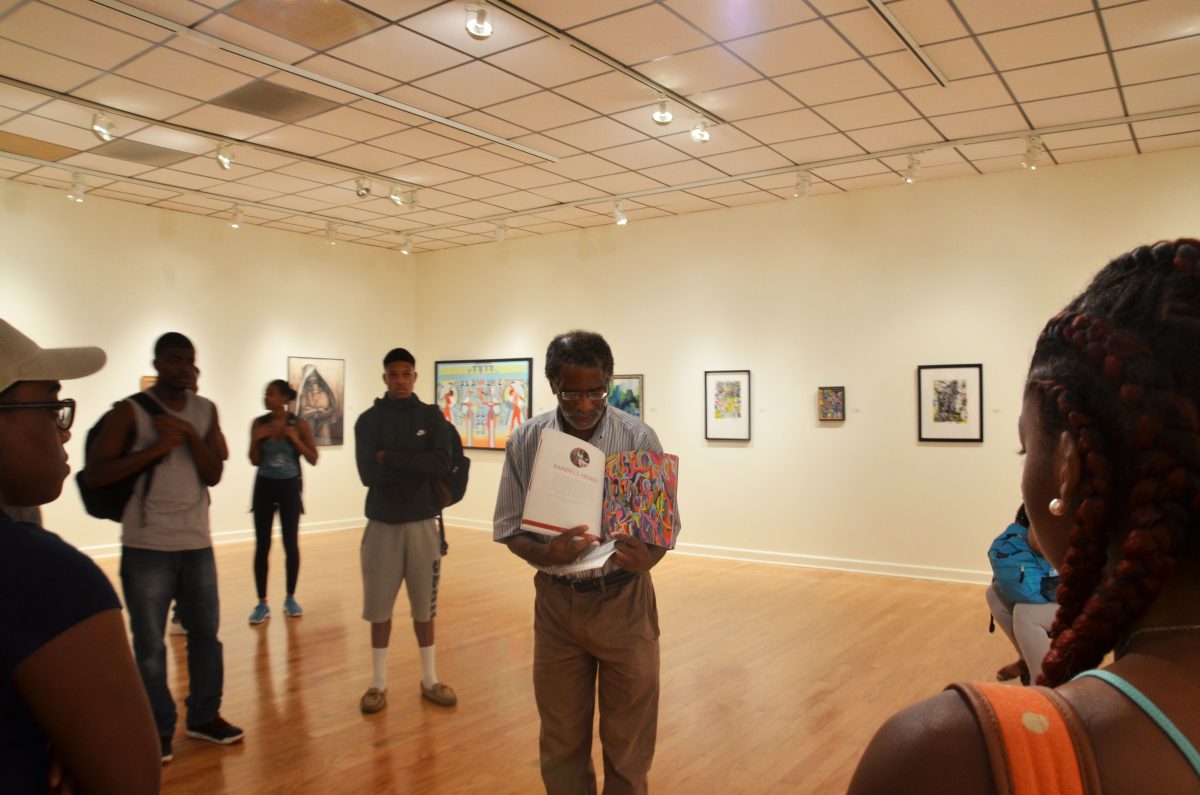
point(224, 156)
point(914, 168)
point(394, 195)
point(236, 220)
point(700, 130)
point(362, 187)
point(1034, 149)
point(406, 249)
point(102, 127)
point(662, 115)
point(619, 214)
point(478, 25)
point(501, 230)
point(330, 233)
point(803, 183)
point(410, 199)
point(78, 188)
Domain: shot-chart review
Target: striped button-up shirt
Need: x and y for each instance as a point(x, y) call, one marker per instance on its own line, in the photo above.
point(616, 433)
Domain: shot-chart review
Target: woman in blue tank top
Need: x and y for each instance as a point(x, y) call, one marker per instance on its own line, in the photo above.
point(277, 441)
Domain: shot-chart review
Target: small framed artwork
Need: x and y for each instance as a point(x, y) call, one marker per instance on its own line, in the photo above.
point(484, 399)
point(320, 386)
point(626, 394)
point(950, 403)
point(831, 403)
point(727, 405)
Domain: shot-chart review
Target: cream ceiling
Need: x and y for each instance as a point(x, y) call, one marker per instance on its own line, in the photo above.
point(543, 126)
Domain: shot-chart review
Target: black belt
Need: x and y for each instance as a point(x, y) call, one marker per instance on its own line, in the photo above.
point(613, 579)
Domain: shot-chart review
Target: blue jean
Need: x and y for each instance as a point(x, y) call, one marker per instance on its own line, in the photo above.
point(150, 580)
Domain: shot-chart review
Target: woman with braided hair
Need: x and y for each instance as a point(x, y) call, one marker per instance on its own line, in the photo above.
point(1111, 483)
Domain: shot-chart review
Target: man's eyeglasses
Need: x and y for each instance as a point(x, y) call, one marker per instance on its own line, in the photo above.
point(64, 411)
point(591, 394)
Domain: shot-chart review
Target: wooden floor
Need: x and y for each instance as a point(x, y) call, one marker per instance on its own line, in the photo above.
point(773, 680)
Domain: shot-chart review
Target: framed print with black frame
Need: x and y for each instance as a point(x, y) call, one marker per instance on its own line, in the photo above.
point(950, 403)
point(727, 405)
point(484, 399)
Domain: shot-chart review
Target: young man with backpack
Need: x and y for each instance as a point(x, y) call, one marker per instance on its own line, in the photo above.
point(403, 448)
point(170, 438)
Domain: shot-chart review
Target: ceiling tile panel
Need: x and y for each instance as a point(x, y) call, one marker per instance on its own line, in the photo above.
point(474, 188)
point(1150, 21)
point(683, 173)
point(531, 61)
point(928, 21)
point(351, 123)
point(640, 119)
point(794, 48)
point(729, 139)
point(518, 200)
point(595, 134)
point(625, 182)
point(474, 209)
point(1077, 76)
point(541, 110)
point(476, 84)
point(32, 147)
point(971, 94)
point(833, 83)
point(279, 182)
point(699, 70)
point(68, 36)
point(486, 122)
point(642, 34)
point(51, 131)
point(344, 72)
point(1163, 95)
point(905, 71)
point(785, 126)
point(1158, 61)
point(742, 199)
point(525, 177)
point(981, 122)
point(314, 172)
point(829, 7)
point(869, 34)
point(220, 121)
point(567, 15)
point(1095, 152)
point(570, 192)
point(987, 15)
point(846, 170)
point(418, 143)
point(725, 21)
point(993, 149)
point(642, 154)
point(39, 68)
point(1098, 135)
point(747, 100)
point(1080, 107)
point(474, 161)
point(1168, 126)
point(19, 98)
point(124, 94)
point(365, 157)
point(1044, 42)
point(896, 136)
point(958, 59)
point(234, 31)
point(1177, 141)
point(319, 24)
point(871, 181)
point(578, 167)
point(183, 74)
point(868, 111)
point(400, 54)
point(292, 138)
point(411, 95)
point(182, 179)
point(822, 147)
point(228, 60)
point(760, 158)
point(445, 23)
point(425, 173)
point(611, 92)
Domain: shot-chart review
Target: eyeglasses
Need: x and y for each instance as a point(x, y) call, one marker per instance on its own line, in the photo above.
point(591, 394)
point(64, 411)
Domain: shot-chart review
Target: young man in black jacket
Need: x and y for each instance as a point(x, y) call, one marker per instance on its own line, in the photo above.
point(402, 445)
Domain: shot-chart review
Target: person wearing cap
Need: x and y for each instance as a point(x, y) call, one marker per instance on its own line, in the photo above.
point(166, 541)
point(72, 707)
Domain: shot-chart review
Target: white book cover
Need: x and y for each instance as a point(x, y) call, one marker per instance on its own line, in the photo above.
point(566, 488)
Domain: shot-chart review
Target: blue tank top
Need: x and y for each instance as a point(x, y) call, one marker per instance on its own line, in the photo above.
point(279, 460)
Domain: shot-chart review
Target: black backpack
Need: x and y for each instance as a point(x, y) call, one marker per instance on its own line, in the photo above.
point(450, 489)
point(109, 501)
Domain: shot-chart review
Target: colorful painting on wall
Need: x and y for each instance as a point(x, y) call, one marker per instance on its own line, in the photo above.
point(320, 386)
point(485, 399)
point(727, 404)
point(626, 394)
point(831, 403)
point(950, 403)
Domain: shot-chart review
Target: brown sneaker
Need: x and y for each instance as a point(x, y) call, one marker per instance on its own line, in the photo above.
point(373, 701)
point(439, 694)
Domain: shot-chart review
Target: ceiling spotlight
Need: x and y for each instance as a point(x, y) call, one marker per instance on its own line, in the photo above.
point(78, 188)
point(224, 156)
point(700, 131)
point(619, 214)
point(501, 231)
point(914, 168)
point(478, 24)
point(1034, 149)
point(102, 127)
point(803, 183)
point(394, 195)
point(330, 233)
point(362, 187)
point(410, 199)
point(236, 220)
point(662, 115)
point(406, 249)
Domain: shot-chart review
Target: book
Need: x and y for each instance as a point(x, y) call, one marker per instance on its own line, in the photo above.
point(566, 488)
point(639, 496)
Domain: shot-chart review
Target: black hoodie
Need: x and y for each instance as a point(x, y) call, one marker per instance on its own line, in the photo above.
point(415, 440)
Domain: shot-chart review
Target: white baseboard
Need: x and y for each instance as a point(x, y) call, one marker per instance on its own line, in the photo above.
point(245, 534)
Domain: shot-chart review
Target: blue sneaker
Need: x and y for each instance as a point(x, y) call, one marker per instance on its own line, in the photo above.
point(260, 614)
point(291, 608)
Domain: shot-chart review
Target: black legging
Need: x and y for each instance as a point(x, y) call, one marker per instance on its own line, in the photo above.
point(269, 493)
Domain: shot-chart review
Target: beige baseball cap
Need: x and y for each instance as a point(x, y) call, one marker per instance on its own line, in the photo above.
point(22, 359)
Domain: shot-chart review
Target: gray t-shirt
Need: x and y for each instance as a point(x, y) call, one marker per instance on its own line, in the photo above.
point(175, 516)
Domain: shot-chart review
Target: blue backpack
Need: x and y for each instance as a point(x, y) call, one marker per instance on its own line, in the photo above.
point(1021, 574)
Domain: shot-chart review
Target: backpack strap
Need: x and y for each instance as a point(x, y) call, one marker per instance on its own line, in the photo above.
point(1036, 744)
point(154, 409)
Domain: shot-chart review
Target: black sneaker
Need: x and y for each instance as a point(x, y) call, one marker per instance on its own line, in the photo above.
point(167, 753)
point(218, 730)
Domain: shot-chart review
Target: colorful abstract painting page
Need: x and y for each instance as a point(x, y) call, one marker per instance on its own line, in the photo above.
point(639, 496)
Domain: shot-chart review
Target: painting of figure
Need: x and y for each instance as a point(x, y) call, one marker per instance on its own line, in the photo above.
point(320, 386)
point(484, 399)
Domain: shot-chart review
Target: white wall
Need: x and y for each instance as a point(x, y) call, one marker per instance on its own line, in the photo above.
point(856, 290)
point(118, 275)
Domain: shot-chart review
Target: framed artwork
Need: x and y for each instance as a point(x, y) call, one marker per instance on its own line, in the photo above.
point(950, 403)
point(831, 403)
point(485, 399)
point(320, 386)
point(626, 394)
point(727, 404)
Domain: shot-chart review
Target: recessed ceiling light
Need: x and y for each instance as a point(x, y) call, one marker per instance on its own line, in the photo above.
point(478, 24)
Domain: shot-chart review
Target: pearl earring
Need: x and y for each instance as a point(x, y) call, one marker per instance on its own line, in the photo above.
point(1057, 508)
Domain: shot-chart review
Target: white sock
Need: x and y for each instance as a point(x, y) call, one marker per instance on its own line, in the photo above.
point(379, 666)
point(428, 673)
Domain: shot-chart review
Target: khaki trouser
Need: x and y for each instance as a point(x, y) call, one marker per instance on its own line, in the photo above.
point(577, 636)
